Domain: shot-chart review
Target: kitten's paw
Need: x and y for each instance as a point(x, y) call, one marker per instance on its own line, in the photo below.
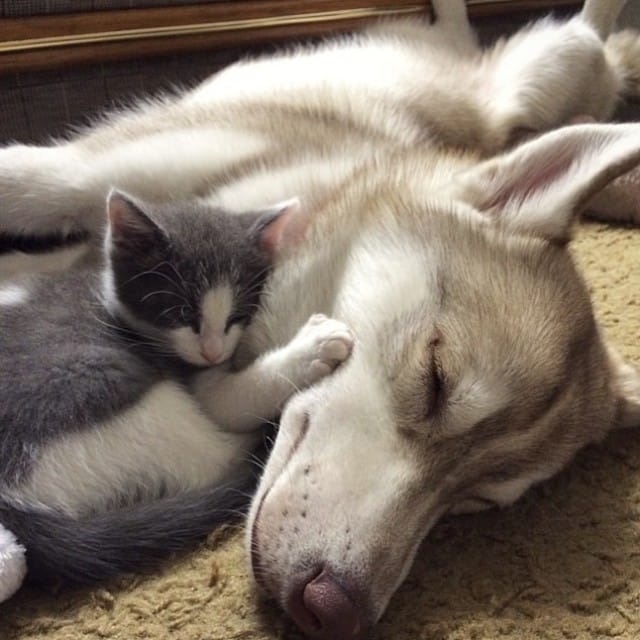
point(318, 348)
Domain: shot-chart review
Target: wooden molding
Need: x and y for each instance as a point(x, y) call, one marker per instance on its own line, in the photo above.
point(91, 37)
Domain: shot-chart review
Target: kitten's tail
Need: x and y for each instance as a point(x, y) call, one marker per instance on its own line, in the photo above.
point(130, 539)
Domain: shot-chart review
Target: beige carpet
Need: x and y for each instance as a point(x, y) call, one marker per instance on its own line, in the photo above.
point(563, 563)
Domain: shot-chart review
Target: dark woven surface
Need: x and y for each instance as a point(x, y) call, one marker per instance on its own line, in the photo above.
point(37, 106)
point(15, 8)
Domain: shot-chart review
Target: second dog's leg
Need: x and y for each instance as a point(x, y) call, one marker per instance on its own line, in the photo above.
point(602, 15)
point(63, 188)
point(452, 13)
point(544, 77)
point(451, 16)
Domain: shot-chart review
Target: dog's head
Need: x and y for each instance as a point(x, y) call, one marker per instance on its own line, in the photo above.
point(478, 371)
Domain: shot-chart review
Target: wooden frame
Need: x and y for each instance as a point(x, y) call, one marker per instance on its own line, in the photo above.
point(91, 37)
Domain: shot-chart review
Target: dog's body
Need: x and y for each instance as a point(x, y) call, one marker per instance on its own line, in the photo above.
point(478, 369)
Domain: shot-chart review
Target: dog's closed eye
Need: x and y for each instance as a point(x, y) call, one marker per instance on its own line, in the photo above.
point(435, 379)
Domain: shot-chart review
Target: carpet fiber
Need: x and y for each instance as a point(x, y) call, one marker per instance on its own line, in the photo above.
point(564, 562)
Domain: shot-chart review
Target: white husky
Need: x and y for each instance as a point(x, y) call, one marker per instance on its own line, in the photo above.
point(478, 368)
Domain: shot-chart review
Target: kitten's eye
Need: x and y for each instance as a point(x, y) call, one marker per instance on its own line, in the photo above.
point(190, 318)
point(234, 318)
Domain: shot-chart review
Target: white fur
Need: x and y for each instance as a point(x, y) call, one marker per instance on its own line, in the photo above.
point(163, 440)
point(391, 262)
point(312, 176)
point(505, 493)
point(13, 564)
point(184, 341)
point(216, 307)
point(84, 173)
point(13, 295)
point(18, 264)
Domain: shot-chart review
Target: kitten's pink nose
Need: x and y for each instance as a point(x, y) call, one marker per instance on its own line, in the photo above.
point(212, 347)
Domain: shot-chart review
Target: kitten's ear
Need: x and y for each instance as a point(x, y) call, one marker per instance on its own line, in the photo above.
point(540, 187)
point(129, 224)
point(281, 227)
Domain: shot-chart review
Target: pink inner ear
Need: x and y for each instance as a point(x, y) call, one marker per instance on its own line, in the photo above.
point(518, 189)
point(119, 213)
point(126, 219)
point(287, 230)
point(544, 171)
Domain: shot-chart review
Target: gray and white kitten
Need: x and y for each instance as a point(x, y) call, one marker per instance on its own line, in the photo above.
point(187, 275)
point(106, 461)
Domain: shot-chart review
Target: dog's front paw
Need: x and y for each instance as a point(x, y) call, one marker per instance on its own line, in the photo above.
point(318, 348)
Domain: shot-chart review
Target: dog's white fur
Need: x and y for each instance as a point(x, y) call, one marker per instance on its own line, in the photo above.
point(478, 368)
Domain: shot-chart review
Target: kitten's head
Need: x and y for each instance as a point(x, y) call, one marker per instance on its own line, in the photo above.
point(189, 274)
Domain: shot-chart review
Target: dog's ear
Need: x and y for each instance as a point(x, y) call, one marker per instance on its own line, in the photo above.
point(625, 382)
point(541, 186)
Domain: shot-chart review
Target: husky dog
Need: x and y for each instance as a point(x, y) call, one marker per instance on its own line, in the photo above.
point(478, 368)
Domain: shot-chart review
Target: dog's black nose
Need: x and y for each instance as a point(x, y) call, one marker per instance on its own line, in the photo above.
point(323, 609)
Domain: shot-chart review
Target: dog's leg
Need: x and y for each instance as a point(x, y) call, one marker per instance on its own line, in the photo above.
point(63, 188)
point(622, 49)
point(623, 54)
point(451, 17)
point(602, 15)
point(546, 75)
point(39, 192)
point(451, 13)
point(618, 202)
